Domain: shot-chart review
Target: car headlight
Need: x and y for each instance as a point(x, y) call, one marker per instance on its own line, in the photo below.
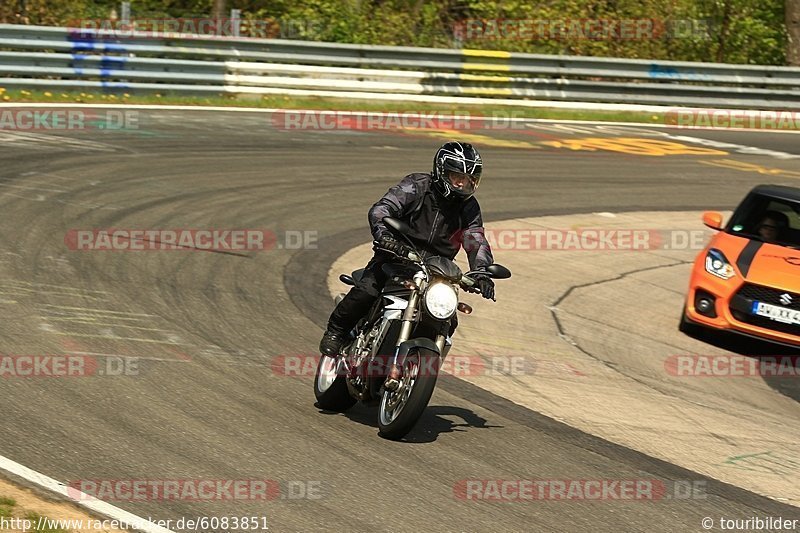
point(441, 300)
point(718, 265)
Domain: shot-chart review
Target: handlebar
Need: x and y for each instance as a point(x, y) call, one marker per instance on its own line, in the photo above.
point(466, 282)
point(469, 284)
point(410, 257)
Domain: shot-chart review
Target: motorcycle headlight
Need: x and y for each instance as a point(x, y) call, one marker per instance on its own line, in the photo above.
point(441, 300)
point(718, 265)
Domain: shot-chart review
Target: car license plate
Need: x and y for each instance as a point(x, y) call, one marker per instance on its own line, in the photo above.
point(777, 313)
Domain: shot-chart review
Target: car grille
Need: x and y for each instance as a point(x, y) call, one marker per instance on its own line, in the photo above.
point(769, 295)
point(742, 302)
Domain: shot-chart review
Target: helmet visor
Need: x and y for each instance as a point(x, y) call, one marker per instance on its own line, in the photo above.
point(461, 183)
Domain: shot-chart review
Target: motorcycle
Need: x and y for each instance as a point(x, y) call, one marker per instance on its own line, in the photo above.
point(394, 353)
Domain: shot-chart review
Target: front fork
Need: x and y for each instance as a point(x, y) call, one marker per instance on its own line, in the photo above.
point(440, 339)
point(411, 308)
point(394, 374)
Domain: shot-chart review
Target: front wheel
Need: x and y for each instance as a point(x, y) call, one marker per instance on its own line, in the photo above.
point(330, 386)
point(400, 409)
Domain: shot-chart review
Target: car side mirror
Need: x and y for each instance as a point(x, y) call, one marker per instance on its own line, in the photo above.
point(713, 220)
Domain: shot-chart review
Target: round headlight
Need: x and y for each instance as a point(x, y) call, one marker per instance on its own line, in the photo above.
point(441, 300)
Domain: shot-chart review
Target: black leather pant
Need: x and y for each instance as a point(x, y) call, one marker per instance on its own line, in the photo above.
point(359, 300)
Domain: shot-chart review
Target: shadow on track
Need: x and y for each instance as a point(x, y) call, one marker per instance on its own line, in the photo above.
point(750, 347)
point(433, 422)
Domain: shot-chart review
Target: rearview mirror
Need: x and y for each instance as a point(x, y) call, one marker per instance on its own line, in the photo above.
point(713, 220)
point(397, 225)
point(498, 271)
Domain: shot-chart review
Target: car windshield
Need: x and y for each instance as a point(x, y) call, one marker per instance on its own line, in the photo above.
point(767, 219)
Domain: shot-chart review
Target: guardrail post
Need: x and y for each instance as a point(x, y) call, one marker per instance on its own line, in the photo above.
point(125, 13)
point(236, 21)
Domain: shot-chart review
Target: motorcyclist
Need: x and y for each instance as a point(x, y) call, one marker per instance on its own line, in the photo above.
point(443, 215)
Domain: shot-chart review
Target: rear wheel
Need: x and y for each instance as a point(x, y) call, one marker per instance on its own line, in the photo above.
point(330, 387)
point(400, 410)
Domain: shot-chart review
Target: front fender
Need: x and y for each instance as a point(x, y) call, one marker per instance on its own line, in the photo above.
point(399, 358)
point(411, 344)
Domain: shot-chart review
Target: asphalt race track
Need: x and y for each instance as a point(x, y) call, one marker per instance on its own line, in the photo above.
point(202, 398)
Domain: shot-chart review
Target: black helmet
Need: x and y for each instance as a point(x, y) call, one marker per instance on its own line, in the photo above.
point(457, 170)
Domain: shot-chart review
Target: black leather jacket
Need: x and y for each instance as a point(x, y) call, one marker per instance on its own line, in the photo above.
point(439, 226)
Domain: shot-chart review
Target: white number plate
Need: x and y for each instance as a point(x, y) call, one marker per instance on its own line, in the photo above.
point(774, 312)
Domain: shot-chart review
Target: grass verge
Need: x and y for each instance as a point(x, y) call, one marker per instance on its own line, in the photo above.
point(42, 524)
point(6, 506)
point(39, 523)
point(292, 102)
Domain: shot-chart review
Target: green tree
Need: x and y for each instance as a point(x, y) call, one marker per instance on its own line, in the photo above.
point(793, 32)
point(736, 31)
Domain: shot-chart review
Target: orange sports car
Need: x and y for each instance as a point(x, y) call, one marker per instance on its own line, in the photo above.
point(747, 280)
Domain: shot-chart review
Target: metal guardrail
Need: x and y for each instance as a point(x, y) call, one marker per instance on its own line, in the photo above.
point(36, 56)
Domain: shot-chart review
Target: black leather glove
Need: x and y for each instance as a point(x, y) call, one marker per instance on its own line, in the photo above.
point(387, 242)
point(486, 286)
